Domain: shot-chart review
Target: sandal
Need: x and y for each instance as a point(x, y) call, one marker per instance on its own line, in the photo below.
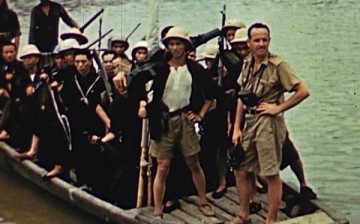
point(240, 220)
point(207, 210)
point(159, 216)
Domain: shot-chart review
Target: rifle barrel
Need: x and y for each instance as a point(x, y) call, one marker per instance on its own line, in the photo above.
point(136, 27)
point(83, 27)
point(99, 39)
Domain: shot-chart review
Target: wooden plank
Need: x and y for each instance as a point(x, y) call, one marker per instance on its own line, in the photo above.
point(232, 192)
point(219, 212)
point(188, 219)
point(335, 215)
point(193, 210)
point(146, 215)
point(315, 218)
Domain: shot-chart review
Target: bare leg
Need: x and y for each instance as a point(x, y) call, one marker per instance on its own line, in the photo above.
point(160, 183)
point(274, 197)
point(244, 189)
point(198, 177)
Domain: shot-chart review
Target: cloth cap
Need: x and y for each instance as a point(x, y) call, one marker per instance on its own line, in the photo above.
point(210, 51)
point(76, 34)
point(68, 45)
point(28, 50)
point(177, 32)
point(240, 36)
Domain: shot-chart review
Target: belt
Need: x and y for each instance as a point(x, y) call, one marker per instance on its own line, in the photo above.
point(252, 112)
point(179, 111)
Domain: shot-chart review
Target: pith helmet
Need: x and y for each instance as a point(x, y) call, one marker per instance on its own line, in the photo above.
point(28, 50)
point(56, 50)
point(139, 45)
point(232, 24)
point(240, 36)
point(68, 45)
point(177, 32)
point(75, 33)
point(120, 39)
point(210, 51)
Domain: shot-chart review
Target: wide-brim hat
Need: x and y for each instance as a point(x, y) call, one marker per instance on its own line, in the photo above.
point(69, 45)
point(28, 50)
point(56, 50)
point(75, 33)
point(179, 33)
point(210, 51)
point(232, 24)
point(240, 36)
point(119, 39)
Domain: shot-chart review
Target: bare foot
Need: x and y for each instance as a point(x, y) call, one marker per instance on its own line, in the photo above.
point(26, 155)
point(4, 135)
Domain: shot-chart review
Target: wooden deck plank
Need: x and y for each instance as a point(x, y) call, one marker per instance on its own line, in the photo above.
point(232, 192)
point(315, 218)
point(219, 212)
point(189, 219)
point(193, 210)
point(145, 215)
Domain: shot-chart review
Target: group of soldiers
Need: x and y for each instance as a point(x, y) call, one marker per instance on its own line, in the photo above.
point(86, 127)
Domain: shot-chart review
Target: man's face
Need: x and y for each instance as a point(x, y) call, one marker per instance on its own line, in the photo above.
point(118, 47)
point(259, 42)
point(209, 62)
point(9, 53)
point(141, 54)
point(59, 62)
point(68, 57)
point(177, 48)
point(230, 33)
point(108, 63)
point(30, 61)
point(82, 64)
point(241, 49)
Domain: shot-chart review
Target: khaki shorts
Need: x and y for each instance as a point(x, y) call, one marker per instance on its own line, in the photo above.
point(181, 135)
point(263, 140)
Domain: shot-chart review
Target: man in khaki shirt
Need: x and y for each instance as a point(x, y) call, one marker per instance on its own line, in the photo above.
point(268, 77)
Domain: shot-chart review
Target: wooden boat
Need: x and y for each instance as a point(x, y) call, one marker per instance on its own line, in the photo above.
point(293, 208)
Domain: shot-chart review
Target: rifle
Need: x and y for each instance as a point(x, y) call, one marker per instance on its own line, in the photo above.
point(83, 27)
point(104, 76)
point(99, 39)
point(221, 42)
point(136, 27)
point(143, 165)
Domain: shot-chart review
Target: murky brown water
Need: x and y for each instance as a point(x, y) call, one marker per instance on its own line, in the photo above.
point(319, 38)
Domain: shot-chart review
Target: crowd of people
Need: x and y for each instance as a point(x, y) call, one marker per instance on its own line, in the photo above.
point(85, 126)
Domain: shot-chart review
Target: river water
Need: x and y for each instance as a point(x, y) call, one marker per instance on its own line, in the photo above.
point(319, 39)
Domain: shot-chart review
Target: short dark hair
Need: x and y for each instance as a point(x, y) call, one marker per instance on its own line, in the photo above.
point(7, 43)
point(106, 52)
point(257, 26)
point(83, 52)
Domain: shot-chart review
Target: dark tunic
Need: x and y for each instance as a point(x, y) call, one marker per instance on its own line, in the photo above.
point(9, 25)
point(44, 29)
